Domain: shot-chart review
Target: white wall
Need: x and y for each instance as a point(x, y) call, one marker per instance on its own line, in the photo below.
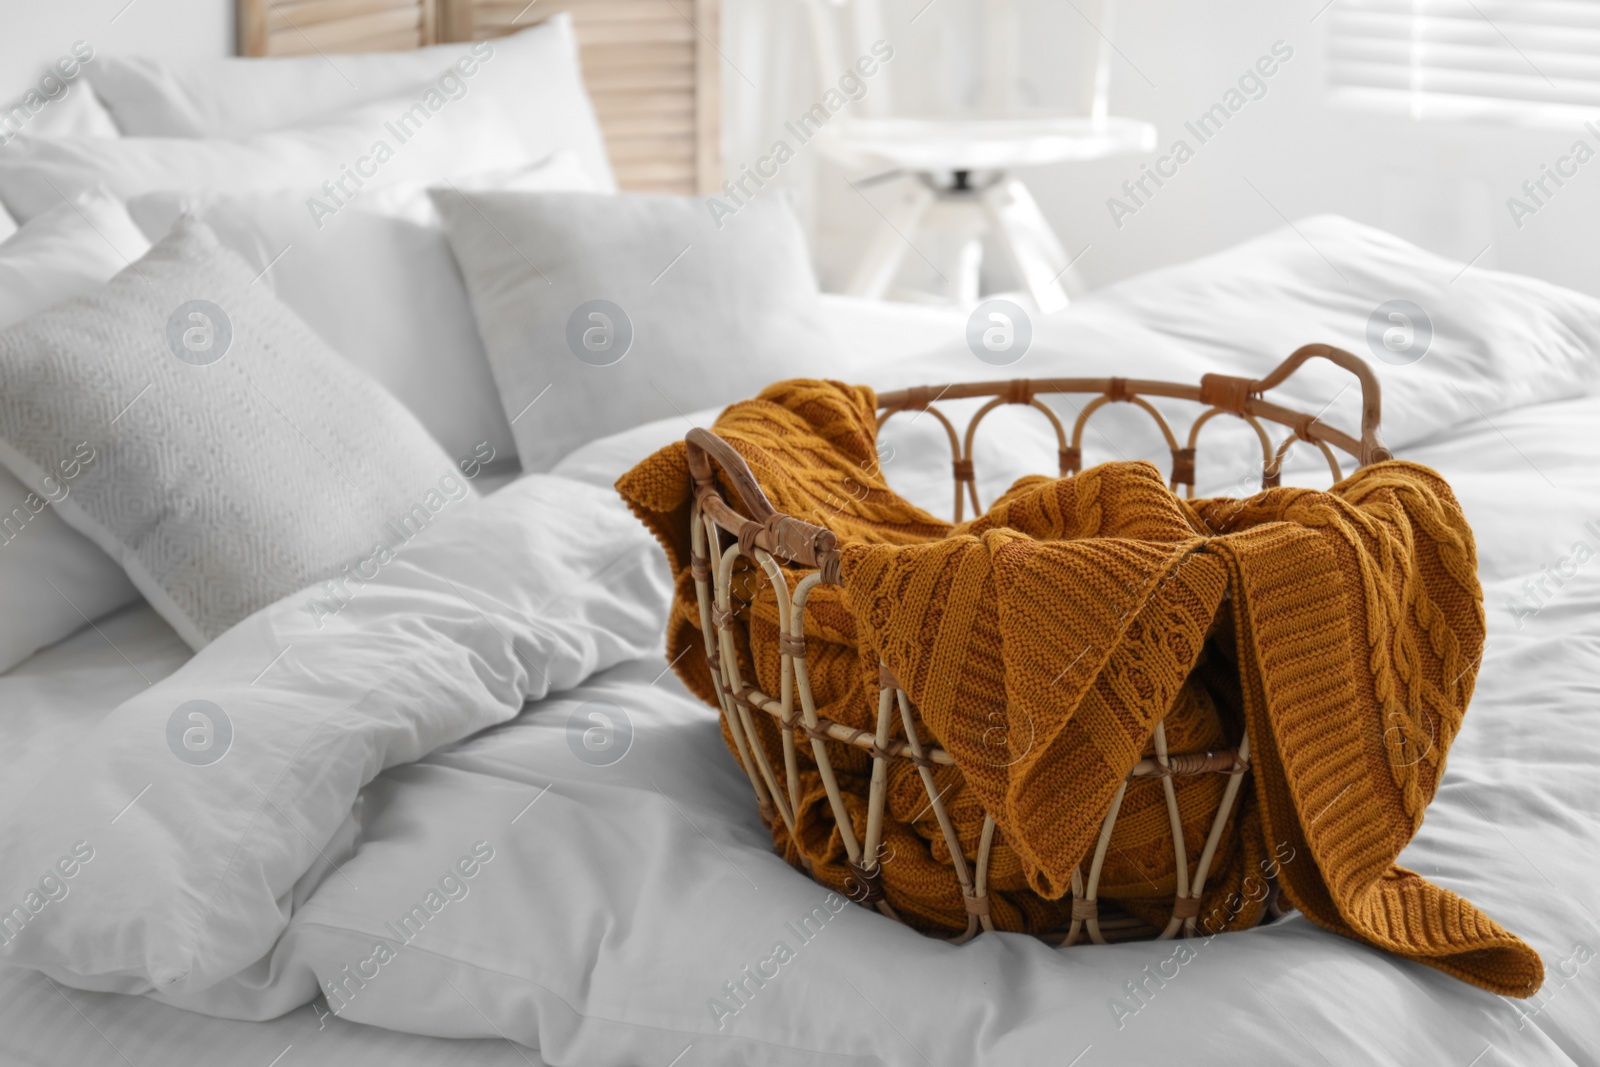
point(1440, 184)
point(34, 33)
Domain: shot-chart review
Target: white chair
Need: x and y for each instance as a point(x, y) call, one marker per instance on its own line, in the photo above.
point(961, 164)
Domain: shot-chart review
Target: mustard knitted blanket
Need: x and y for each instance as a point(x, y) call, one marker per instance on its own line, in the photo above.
point(1044, 641)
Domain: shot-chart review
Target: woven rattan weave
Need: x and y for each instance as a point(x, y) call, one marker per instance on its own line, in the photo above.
point(722, 535)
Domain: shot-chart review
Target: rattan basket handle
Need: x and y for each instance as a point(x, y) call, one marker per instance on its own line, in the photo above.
point(1372, 447)
point(789, 539)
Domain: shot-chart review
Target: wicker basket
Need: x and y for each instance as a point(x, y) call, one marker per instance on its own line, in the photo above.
point(720, 535)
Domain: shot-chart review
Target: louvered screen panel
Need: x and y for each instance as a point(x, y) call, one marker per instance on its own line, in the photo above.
point(301, 27)
point(1529, 60)
point(651, 70)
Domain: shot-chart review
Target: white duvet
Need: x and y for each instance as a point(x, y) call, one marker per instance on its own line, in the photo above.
point(170, 850)
point(388, 838)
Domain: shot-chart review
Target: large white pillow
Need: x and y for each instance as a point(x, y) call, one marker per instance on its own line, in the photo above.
point(52, 578)
point(416, 136)
point(378, 283)
point(603, 312)
point(58, 105)
point(238, 458)
point(75, 113)
point(533, 73)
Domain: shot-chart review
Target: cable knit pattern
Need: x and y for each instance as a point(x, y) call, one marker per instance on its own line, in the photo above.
point(1044, 641)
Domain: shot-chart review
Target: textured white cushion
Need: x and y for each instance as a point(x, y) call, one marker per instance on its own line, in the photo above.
point(463, 136)
point(52, 578)
point(690, 314)
point(239, 459)
point(378, 283)
point(8, 225)
point(534, 74)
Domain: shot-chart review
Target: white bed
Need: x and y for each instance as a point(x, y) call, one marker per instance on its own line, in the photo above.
point(439, 721)
point(1514, 829)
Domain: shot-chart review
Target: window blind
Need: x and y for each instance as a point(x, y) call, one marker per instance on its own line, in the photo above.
point(1535, 61)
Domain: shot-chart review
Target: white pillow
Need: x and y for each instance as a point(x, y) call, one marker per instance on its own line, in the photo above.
point(392, 141)
point(534, 74)
point(239, 459)
point(56, 106)
point(378, 283)
point(603, 312)
point(66, 252)
point(75, 113)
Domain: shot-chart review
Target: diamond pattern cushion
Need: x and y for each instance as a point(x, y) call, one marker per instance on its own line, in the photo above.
point(239, 458)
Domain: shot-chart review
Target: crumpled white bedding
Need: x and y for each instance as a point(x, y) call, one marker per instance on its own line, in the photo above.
point(622, 886)
point(46, 707)
point(506, 600)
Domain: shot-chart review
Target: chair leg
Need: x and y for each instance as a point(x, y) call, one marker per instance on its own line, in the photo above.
point(883, 257)
point(956, 224)
point(969, 272)
point(1030, 244)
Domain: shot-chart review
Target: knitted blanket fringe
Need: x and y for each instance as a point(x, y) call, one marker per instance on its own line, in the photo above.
point(1043, 642)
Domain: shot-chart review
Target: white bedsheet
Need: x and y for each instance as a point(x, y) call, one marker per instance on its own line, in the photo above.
point(623, 897)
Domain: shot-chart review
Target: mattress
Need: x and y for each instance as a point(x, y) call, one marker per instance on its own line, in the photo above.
point(670, 841)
